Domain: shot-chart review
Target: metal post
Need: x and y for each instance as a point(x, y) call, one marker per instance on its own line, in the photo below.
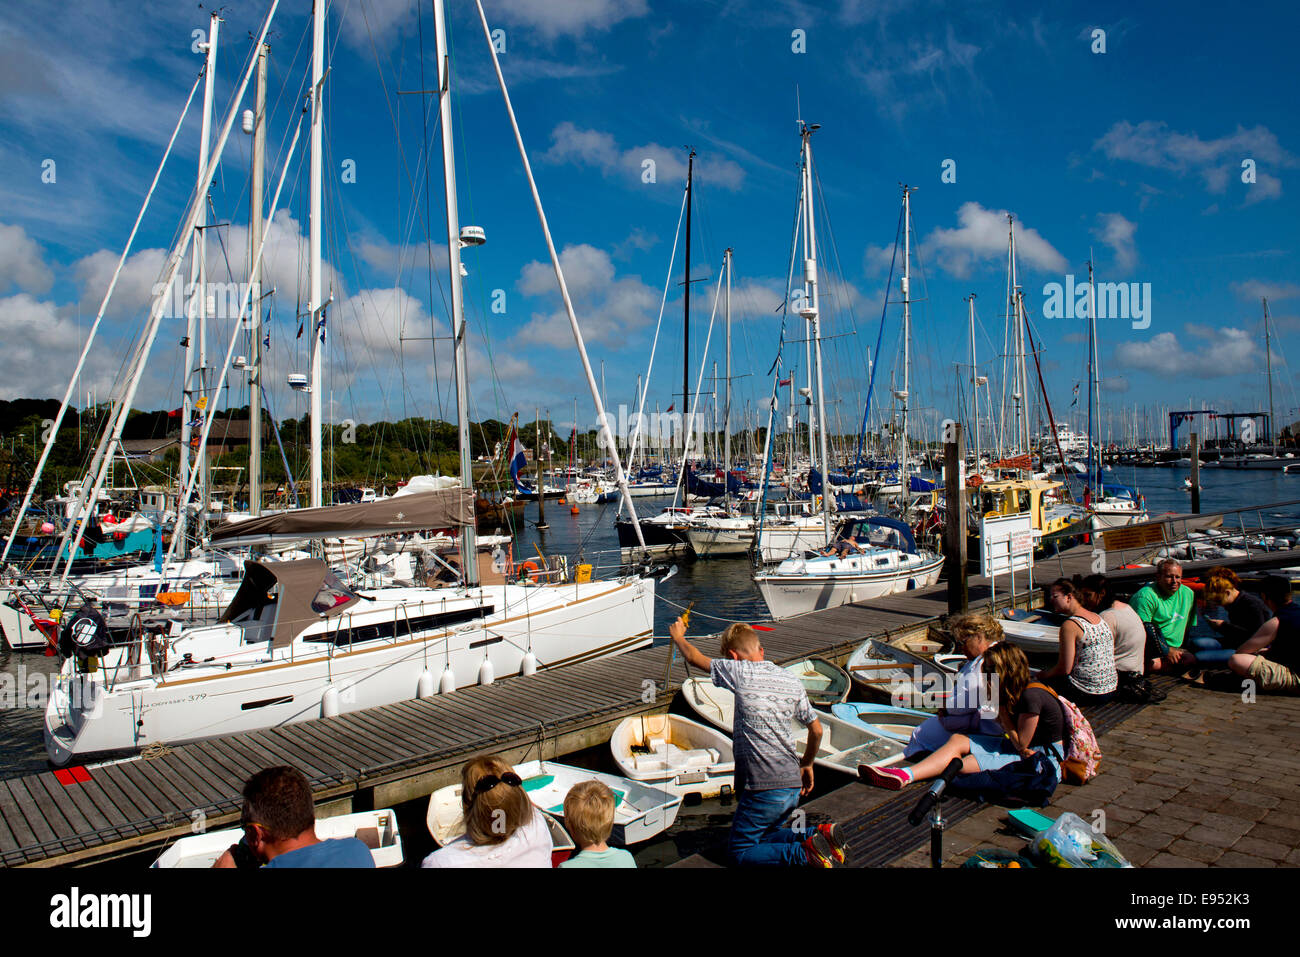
point(1196, 474)
point(954, 548)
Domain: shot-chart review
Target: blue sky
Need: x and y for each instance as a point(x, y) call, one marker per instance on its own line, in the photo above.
point(1135, 153)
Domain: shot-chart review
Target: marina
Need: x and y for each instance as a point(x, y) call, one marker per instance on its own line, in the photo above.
point(489, 434)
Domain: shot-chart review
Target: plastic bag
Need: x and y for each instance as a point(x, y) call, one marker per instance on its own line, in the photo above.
point(1071, 842)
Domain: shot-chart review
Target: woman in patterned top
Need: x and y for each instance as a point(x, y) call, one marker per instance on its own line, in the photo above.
point(1085, 667)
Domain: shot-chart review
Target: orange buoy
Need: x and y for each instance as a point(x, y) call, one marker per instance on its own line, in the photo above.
point(574, 510)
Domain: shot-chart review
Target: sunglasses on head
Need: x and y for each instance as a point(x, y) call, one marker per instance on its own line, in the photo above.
point(490, 781)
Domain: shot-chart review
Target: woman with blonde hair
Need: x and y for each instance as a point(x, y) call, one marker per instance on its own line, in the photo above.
point(1033, 720)
point(502, 828)
point(965, 711)
point(1242, 615)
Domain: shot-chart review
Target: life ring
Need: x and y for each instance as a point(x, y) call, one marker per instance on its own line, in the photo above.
point(529, 571)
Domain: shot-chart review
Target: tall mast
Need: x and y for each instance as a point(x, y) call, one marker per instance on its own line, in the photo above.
point(726, 414)
point(809, 311)
point(686, 301)
point(1094, 385)
point(315, 322)
point(194, 333)
point(904, 477)
point(974, 378)
point(1268, 357)
point(468, 545)
point(255, 279)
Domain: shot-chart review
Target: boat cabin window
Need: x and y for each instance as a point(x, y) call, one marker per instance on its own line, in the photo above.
point(401, 626)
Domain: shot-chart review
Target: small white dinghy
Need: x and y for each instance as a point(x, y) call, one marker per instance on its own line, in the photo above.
point(446, 822)
point(843, 746)
point(674, 753)
point(640, 811)
point(879, 674)
point(1032, 636)
point(376, 829)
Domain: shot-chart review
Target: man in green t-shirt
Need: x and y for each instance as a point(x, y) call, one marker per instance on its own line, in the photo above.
point(1170, 606)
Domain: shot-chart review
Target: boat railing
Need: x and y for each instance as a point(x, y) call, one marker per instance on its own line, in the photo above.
point(1254, 530)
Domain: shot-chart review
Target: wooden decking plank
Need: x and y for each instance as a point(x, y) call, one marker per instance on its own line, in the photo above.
point(146, 792)
point(236, 757)
point(117, 807)
point(291, 753)
point(333, 737)
point(60, 812)
point(32, 811)
point(85, 802)
point(392, 727)
point(426, 720)
point(307, 754)
point(156, 789)
point(202, 780)
point(16, 824)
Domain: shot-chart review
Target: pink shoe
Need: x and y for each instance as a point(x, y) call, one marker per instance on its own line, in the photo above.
point(891, 779)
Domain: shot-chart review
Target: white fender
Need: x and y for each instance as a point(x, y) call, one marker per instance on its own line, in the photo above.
point(424, 688)
point(447, 684)
point(529, 664)
point(486, 673)
point(329, 702)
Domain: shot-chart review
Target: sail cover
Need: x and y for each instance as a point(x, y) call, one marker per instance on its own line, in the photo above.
point(441, 508)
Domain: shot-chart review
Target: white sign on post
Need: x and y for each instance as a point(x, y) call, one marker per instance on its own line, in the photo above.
point(1006, 547)
point(1006, 544)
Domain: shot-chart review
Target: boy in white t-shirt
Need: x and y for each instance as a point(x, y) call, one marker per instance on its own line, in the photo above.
point(769, 777)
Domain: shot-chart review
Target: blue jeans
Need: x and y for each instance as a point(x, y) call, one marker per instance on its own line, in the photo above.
point(1208, 651)
point(757, 837)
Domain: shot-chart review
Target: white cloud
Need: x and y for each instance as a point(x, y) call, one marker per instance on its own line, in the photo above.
point(877, 259)
point(570, 144)
point(1117, 233)
point(1217, 161)
point(40, 346)
point(608, 308)
point(911, 75)
point(21, 264)
point(1254, 289)
point(1225, 352)
point(553, 18)
point(981, 237)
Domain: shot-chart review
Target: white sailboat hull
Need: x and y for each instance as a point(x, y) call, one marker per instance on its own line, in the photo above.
point(561, 624)
point(790, 595)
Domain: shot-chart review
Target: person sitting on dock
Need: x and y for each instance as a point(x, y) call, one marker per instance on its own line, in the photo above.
point(1244, 615)
point(769, 778)
point(1130, 638)
point(968, 711)
point(1084, 670)
point(279, 821)
point(1170, 606)
point(1278, 639)
point(502, 828)
point(589, 816)
point(1034, 723)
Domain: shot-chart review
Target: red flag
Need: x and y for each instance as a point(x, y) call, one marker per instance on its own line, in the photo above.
point(671, 407)
point(783, 382)
point(174, 414)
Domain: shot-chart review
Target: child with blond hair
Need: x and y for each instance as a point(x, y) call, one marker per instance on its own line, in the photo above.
point(589, 817)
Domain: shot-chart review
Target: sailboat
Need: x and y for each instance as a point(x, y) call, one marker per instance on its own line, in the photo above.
point(295, 642)
point(880, 556)
point(1111, 505)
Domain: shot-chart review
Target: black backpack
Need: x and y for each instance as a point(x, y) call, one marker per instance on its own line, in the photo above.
point(1030, 781)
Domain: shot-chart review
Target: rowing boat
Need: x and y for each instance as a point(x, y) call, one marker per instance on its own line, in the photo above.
point(891, 721)
point(376, 829)
point(826, 683)
point(674, 753)
point(843, 747)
